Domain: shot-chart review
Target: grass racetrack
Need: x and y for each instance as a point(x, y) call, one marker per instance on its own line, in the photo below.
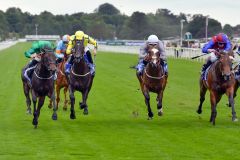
point(111, 130)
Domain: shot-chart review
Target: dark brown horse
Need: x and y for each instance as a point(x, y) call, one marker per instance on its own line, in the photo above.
point(42, 85)
point(61, 82)
point(153, 80)
point(80, 78)
point(220, 80)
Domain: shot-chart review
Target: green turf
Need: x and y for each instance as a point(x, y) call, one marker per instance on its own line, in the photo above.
point(111, 130)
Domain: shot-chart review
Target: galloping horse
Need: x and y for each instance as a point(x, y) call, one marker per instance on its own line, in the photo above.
point(42, 85)
point(61, 82)
point(219, 80)
point(80, 78)
point(153, 80)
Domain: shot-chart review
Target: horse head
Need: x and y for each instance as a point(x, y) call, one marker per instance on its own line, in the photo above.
point(225, 64)
point(48, 59)
point(78, 51)
point(153, 57)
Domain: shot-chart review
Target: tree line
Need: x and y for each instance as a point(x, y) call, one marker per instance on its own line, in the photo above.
point(107, 22)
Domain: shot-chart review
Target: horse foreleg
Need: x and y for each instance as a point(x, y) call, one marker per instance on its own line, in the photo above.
point(159, 104)
point(147, 102)
point(72, 98)
point(230, 94)
point(28, 100)
point(214, 98)
point(65, 99)
point(84, 105)
point(203, 91)
point(34, 99)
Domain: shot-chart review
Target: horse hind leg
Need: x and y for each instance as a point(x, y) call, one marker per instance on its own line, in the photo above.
point(231, 102)
point(54, 115)
point(203, 91)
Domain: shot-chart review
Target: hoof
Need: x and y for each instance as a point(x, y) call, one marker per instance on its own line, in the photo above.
point(160, 113)
point(50, 106)
point(72, 116)
point(29, 112)
point(199, 111)
point(35, 122)
point(54, 117)
point(150, 118)
point(85, 111)
point(150, 114)
point(234, 119)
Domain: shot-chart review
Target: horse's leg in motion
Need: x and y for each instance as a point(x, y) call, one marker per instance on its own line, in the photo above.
point(40, 104)
point(203, 91)
point(230, 94)
point(147, 102)
point(54, 115)
point(72, 98)
point(28, 100)
point(58, 94)
point(235, 91)
point(159, 104)
point(84, 105)
point(34, 99)
point(65, 98)
point(50, 104)
point(214, 98)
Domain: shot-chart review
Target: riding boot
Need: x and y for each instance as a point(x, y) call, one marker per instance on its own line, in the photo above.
point(29, 70)
point(165, 66)
point(140, 67)
point(204, 67)
point(90, 63)
point(68, 65)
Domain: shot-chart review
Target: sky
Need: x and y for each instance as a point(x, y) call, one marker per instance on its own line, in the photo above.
point(225, 11)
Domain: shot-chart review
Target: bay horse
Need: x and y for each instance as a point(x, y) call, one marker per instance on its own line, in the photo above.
point(42, 85)
point(61, 82)
point(220, 80)
point(80, 78)
point(153, 80)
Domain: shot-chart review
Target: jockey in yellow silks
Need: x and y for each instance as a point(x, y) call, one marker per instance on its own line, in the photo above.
point(79, 35)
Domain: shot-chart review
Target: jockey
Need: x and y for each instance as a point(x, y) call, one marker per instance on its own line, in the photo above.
point(79, 35)
point(220, 42)
point(152, 41)
point(62, 47)
point(34, 53)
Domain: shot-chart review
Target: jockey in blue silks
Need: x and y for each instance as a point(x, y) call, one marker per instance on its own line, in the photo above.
point(62, 47)
point(219, 42)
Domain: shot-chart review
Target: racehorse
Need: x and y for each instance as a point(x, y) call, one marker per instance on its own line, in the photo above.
point(61, 82)
point(80, 78)
point(42, 85)
point(153, 80)
point(220, 80)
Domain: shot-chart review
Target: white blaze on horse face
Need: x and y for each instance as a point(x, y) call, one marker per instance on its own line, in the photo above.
point(154, 57)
